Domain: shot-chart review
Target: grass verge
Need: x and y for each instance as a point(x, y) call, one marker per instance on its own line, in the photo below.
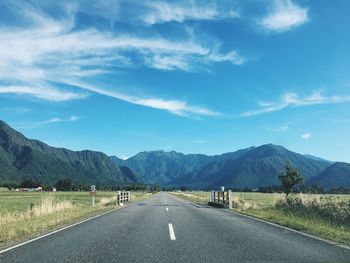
point(50, 211)
point(312, 224)
point(263, 206)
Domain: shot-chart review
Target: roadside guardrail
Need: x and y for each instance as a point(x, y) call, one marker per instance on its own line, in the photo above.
point(123, 196)
point(222, 199)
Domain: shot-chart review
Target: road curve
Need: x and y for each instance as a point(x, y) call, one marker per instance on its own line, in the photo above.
point(165, 228)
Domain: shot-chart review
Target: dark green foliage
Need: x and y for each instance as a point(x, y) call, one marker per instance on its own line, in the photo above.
point(271, 189)
point(290, 178)
point(30, 183)
point(64, 185)
point(316, 189)
point(183, 188)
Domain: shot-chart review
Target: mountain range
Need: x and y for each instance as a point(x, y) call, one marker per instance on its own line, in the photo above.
point(22, 158)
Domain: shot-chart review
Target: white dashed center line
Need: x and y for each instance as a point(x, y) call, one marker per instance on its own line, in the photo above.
point(166, 209)
point(171, 232)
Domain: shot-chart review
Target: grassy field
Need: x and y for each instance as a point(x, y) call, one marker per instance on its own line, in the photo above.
point(51, 210)
point(326, 216)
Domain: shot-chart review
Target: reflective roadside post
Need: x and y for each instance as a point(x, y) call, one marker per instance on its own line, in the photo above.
point(229, 199)
point(93, 194)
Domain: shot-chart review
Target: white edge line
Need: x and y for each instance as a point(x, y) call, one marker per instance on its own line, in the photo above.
point(171, 232)
point(292, 230)
point(56, 231)
point(283, 227)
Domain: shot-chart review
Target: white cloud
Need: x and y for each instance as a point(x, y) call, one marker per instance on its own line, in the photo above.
point(56, 120)
point(176, 107)
point(292, 99)
point(284, 15)
point(306, 136)
point(17, 110)
point(37, 60)
point(33, 125)
point(161, 12)
point(46, 93)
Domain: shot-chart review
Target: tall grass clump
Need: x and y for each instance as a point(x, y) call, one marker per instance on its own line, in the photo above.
point(107, 201)
point(241, 204)
point(334, 211)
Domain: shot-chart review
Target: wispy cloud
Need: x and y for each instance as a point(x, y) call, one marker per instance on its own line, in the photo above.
point(55, 120)
point(46, 93)
point(32, 125)
point(306, 136)
point(176, 107)
point(161, 12)
point(292, 99)
point(41, 58)
point(284, 15)
point(16, 110)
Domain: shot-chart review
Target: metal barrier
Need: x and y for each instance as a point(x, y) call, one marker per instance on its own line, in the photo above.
point(221, 199)
point(123, 196)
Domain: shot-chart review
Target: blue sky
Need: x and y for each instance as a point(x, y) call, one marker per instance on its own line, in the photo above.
point(191, 76)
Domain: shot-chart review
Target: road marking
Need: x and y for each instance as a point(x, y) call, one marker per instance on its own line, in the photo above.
point(171, 232)
point(291, 230)
point(167, 209)
point(54, 232)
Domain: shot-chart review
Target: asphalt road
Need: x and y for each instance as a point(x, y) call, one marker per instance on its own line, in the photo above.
point(165, 228)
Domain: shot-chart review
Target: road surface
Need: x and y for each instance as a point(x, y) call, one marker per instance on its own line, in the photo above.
point(165, 228)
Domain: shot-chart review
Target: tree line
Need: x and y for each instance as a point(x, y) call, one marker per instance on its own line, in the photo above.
point(67, 184)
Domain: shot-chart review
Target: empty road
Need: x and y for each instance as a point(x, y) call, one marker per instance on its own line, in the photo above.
point(165, 228)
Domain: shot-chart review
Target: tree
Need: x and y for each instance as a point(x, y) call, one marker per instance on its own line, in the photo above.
point(30, 183)
point(183, 188)
point(64, 185)
point(290, 178)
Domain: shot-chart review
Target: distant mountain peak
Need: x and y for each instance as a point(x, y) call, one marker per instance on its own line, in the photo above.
point(23, 158)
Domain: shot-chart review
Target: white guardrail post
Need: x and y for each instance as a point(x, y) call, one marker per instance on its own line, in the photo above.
point(229, 199)
point(123, 196)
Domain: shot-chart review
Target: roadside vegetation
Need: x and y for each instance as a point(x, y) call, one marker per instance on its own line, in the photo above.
point(323, 215)
point(27, 214)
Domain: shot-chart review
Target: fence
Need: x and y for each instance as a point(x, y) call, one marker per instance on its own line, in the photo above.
point(221, 199)
point(123, 196)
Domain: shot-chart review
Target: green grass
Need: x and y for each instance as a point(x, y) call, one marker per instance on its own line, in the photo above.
point(262, 205)
point(51, 210)
point(308, 223)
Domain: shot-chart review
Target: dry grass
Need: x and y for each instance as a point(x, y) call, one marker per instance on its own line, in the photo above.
point(49, 212)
